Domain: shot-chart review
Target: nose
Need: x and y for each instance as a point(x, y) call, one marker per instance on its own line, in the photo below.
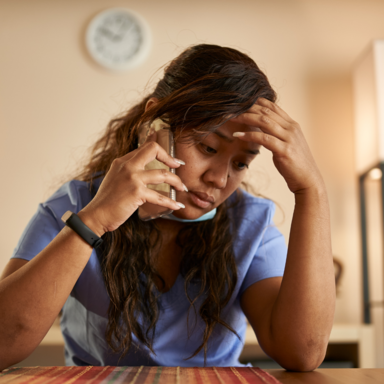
point(217, 175)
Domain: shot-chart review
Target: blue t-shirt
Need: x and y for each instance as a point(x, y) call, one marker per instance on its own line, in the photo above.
point(260, 253)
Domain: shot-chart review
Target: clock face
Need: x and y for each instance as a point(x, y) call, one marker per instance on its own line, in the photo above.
point(118, 39)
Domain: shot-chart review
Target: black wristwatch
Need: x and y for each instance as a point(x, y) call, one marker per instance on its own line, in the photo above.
point(74, 222)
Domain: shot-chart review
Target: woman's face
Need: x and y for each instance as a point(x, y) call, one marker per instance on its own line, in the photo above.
point(213, 170)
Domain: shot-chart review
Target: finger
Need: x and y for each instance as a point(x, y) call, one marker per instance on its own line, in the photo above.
point(275, 108)
point(265, 124)
point(268, 141)
point(158, 176)
point(156, 198)
point(249, 116)
point(151, 151)
point(129, 155)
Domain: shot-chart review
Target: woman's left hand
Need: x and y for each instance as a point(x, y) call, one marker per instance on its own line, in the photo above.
point(284, 138)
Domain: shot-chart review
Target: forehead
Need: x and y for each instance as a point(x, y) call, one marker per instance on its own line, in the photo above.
point(226, 131)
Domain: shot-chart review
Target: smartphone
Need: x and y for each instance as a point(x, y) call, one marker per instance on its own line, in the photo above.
point(150, 211)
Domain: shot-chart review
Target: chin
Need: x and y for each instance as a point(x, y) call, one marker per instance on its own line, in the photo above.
point(189, 213)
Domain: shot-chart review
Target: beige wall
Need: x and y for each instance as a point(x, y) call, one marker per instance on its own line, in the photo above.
point(54, 99)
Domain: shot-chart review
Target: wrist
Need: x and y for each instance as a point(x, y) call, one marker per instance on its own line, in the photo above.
point(89, 219)
point(317, 190)
point(313, 200)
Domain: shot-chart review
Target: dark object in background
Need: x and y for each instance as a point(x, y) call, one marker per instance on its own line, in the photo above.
point(338, 270)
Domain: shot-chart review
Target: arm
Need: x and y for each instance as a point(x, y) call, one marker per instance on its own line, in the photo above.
point(293, 317)
point(32, 293)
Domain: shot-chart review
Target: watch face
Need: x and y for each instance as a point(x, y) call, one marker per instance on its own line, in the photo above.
point(118, 39)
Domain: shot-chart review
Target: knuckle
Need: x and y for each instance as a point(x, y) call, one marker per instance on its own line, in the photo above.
point(115, 163)
point(261, 99)
point(295, 127)
point(152, 145)
point(265, 119)
point(266, 110)
point(288, 151)
point(267, 138)
point(161, 198)
point(164, 172)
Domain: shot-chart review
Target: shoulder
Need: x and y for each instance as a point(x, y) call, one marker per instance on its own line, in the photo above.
point(242, 206)
point(73, 196)
point(259, 246)
point(46, 222)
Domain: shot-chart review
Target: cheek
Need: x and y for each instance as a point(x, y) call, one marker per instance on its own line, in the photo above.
point(194, 164)
point(183, 151)
point(234, 182)
point(189, 172)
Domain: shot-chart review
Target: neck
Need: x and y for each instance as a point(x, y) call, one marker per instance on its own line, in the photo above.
point(169, 228)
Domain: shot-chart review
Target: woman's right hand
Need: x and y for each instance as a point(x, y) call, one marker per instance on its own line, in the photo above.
point(124, 187)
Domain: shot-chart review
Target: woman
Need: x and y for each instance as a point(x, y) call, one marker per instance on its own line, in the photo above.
point(178, 291)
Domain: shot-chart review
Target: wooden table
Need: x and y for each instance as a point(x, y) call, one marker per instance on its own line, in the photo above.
point(330, 376)
point(177, 375)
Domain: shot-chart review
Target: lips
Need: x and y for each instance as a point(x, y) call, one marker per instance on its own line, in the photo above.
point(203, 196)
point(201, 199)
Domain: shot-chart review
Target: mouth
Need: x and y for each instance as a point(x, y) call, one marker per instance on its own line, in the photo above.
point(201, 199)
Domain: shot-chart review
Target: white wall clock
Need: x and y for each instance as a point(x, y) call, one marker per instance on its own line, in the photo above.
point(118, 39)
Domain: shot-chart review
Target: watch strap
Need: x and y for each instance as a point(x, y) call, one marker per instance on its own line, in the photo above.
point(74, 222)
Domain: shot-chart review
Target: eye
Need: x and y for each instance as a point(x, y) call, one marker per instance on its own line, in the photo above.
point(207, 149)
point(242, 166)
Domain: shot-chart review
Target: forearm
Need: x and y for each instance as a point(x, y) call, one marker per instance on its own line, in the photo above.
point(302, 316)
point(32, 296)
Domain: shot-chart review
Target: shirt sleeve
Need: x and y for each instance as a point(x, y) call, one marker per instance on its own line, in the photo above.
point(269, 258)
point(39, 232)
point(46, 222)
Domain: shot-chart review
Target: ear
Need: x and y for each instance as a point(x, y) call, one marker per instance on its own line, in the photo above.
point(151, 102)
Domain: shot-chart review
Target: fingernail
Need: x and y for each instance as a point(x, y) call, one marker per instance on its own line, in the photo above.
point(179, 161)
point(238, 134)
point(185, 188)
point(181, 205)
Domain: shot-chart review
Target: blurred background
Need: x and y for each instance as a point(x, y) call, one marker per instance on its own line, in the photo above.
point(55, 99)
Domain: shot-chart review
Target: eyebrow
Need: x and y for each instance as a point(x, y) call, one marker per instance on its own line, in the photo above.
point(230, 140)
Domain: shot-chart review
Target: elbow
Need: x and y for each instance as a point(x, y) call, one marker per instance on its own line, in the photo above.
point(4, 364)
point(302, 364)
point(305, 358)
point(14, 348)
point(7, 359)
point(11, 357)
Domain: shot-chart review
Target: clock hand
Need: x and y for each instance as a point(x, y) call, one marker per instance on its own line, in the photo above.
point(107, 33)
point(122, 32)
point(120, 36)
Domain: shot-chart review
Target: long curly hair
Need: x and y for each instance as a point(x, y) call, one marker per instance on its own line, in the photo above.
point(205, 86)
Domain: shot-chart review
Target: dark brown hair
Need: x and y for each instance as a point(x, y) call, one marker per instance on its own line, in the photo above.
point(205, 86)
